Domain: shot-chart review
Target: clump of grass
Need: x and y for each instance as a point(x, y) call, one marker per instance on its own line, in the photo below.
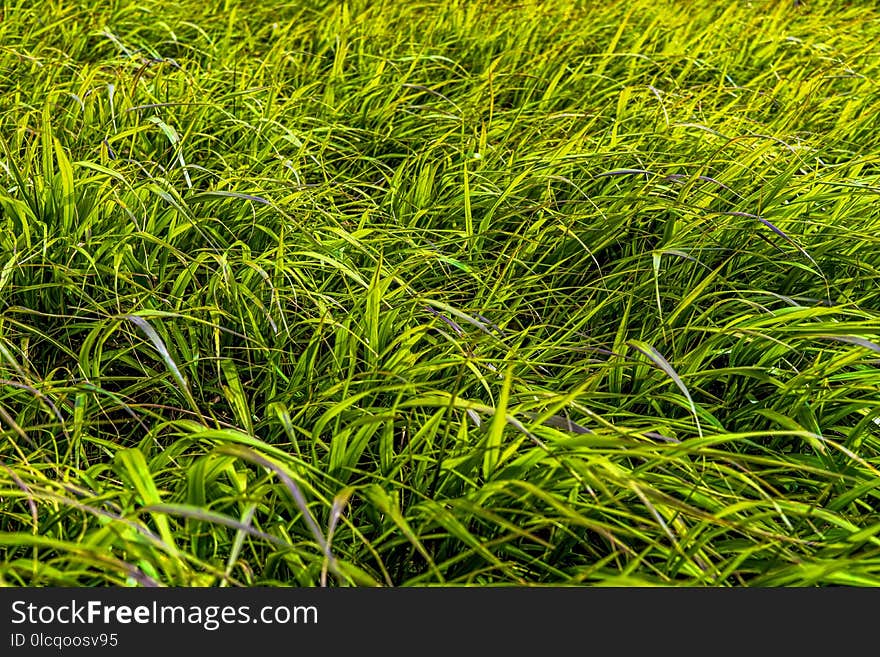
point(439, 293)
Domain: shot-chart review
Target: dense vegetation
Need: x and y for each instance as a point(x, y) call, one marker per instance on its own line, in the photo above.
point(439, 292)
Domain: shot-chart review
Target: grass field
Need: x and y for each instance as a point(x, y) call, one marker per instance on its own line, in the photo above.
point(439, 293)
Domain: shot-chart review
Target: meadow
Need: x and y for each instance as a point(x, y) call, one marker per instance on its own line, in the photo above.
point(388, 293)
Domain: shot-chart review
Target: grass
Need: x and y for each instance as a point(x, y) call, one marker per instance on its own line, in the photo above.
point(439, 293)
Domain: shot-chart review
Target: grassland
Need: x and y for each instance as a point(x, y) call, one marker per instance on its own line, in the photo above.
point(424, 293)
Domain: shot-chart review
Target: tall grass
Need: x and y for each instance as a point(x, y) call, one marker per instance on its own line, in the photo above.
point(426, 293)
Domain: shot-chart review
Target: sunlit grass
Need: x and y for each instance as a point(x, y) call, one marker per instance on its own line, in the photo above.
point(383, 293)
